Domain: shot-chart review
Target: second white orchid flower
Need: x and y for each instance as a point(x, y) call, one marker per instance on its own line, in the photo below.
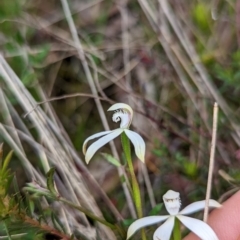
point(172, 203)
point(123, 113)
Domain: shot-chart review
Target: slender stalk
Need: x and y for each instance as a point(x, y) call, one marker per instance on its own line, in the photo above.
point(8, 234)
point(177, 230)
point(211, 161)
point(135, 186)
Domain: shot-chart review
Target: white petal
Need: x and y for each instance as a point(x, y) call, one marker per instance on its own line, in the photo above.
point(165, 230)
point(196, 206)
point(200, 228)
point(101, 142)
point(121, 106)
point(84, 147)
point(143, 222)
point(138, 143)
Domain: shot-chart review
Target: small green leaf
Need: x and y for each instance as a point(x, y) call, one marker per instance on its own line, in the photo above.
point(202, 16)
point(190, 168)
point(156, 209)
point(28, 78)
point(57, 224)
point(50, 181)
point(6, 161)
point(38, 58)
point(9, 9)
point(31, 206)
point(128, 222)
point(111, 159)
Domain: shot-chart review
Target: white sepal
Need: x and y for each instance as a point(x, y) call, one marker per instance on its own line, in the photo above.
point(200, 228)
point(143, 222)
point(92, 137)
point(196, 206)
point(165, 230)
point(138, 143)
point(101, 142)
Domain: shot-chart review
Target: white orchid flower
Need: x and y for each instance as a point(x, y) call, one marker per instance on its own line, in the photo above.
point(123, 113)
point(172, 203)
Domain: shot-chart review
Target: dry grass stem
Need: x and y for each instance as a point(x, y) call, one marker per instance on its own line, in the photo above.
point(211, 161)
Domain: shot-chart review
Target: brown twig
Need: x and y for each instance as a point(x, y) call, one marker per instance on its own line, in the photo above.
point(65, 97)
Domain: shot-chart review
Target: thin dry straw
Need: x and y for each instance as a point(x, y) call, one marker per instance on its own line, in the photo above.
point(64, 97)
point(211, 162)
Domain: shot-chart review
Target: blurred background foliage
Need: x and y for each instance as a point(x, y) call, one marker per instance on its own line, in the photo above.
point(169, 60)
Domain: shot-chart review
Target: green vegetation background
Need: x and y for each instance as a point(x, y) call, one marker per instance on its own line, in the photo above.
point(170, 66)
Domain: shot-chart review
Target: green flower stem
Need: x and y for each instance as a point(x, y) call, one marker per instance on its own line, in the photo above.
point(135, 186)
point(6, 228)
point(177, 230)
